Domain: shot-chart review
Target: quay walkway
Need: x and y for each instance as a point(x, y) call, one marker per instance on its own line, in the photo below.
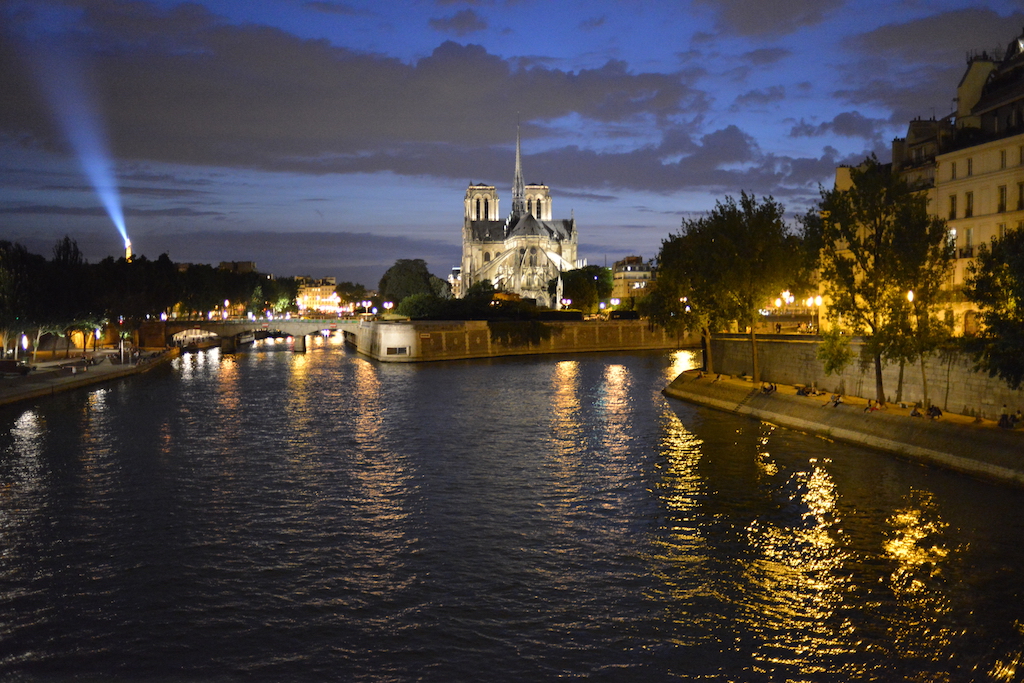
point(64, 374)
point(969, 445)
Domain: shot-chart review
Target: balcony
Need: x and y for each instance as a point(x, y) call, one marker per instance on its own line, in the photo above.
point(967, 252)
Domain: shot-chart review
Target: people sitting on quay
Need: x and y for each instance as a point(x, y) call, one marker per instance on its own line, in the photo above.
point(873, 406)
point(834, 401)
point(1005, 421)
point(915, 412)
point(768, 388)
point(934, 412)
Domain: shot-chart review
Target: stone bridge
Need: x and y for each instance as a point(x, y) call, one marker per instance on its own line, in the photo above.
point(159, 333)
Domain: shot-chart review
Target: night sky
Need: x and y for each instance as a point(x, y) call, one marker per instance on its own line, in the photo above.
point(325, 137)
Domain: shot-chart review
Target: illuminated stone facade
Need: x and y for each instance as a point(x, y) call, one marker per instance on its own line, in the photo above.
point(971, 163)
point(520, 253)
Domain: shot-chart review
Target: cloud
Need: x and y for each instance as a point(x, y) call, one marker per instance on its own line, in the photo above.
point(361, 257)
point(756, 17)
point(766, 55)
point(98, 211)
point(941, 38)
point(185, 87)
point(341, 8)
point(592, 23)
point(462, 23)
point(760, 98)
point(913, 68)
point(847, 124)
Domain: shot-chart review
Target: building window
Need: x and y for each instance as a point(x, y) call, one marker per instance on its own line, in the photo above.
point(1020, 196)
point(1002, 158)
point(1002, 230)
point(970, 167)
point(487, 210)
point(952, 207)
point(487, 257)
point(951, 239)
point(968, 204)
point(1001, 203)
point(539, 202)
point(969, 238)
point(478, 208)
point(952, 166)
point(529, 206)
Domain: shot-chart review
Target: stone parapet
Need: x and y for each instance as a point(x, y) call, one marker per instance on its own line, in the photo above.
point(417, 341)
point(953, 384)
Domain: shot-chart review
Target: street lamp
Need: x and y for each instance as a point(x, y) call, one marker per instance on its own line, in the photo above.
point(388, 305)
point(566, 302)
point(365, 305)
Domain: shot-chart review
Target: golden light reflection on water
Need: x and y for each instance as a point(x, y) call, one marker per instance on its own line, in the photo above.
point(1006, 668)
point(381, 480)
point(25, 472)
point(795, 579)
point(680, 546)
point(916, 544)
point(566, 423)
point(300, 408)
point(615, 406)
point(682, 360)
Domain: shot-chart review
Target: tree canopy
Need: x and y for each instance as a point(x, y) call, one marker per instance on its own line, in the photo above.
point(585, 286)
point(408, 277)
point(995, 283)
point(877, 243)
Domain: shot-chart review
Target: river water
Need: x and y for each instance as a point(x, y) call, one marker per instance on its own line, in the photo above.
point(273, 516)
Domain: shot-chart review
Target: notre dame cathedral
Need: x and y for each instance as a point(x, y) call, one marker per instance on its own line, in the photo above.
point(522, 252)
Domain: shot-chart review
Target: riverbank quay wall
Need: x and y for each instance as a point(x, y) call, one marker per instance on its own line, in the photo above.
point(953, 385)
point(53, 380)
point(420, 341)
point(980, 451)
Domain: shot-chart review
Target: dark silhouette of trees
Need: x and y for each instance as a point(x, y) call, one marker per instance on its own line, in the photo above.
point(995, 283)
point(585, 286)
point(405, 278)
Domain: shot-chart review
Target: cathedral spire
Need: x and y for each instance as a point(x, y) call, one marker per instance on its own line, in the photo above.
point(518, 186)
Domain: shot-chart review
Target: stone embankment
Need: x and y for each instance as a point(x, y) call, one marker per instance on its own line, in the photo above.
point(967, 445)
point(47, 379)
point(424, 340)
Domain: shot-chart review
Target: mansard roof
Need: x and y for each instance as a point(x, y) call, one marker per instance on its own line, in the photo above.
point(1006, 82)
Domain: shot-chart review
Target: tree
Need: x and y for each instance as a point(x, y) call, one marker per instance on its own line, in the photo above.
point(995, 283)
point(878, 242)
point(405, 278)
point(585, 286)
point(750, 255)
point(351, 292)
point(22, 297)
point(687, 296)
point(834, 353)
point(420, 305)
